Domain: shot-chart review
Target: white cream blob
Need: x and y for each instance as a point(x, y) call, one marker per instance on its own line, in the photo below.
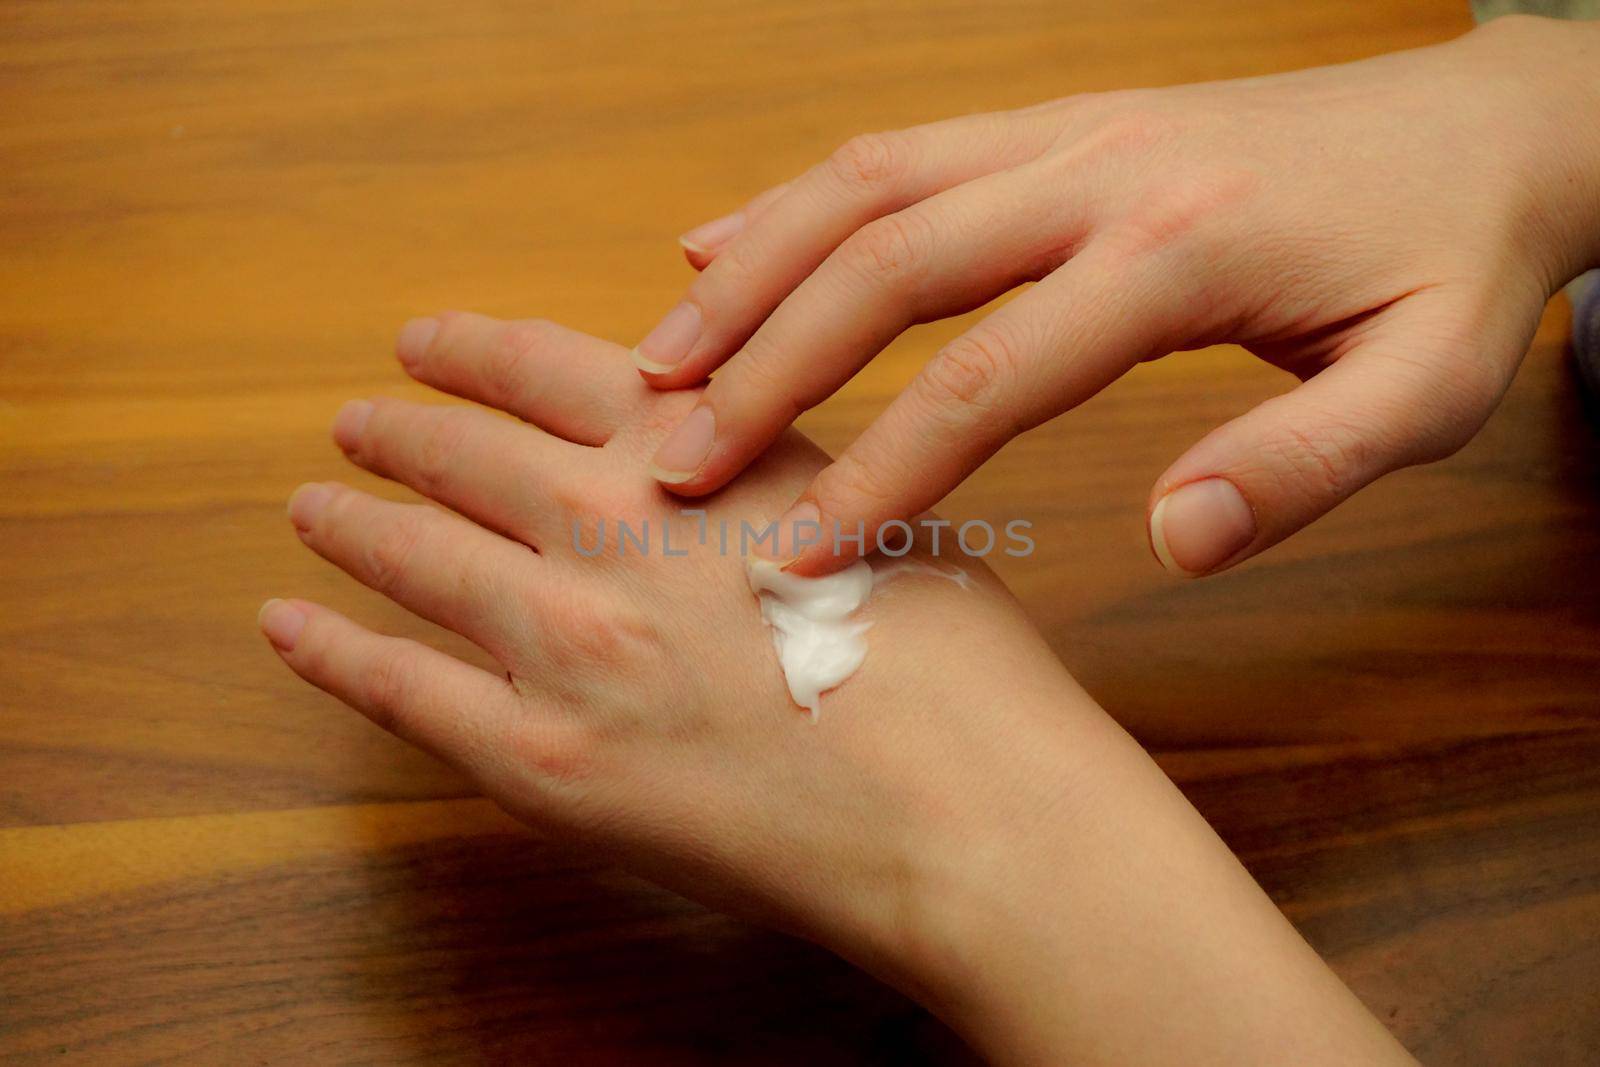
point(819, 643)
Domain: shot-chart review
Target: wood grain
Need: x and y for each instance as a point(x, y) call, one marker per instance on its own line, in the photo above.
point(214, 217)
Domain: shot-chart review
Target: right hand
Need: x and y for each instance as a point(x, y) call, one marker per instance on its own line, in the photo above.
point(1387, 230)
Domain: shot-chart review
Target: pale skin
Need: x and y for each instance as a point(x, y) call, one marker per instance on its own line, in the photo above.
point(962, 820)
point(1388, 231)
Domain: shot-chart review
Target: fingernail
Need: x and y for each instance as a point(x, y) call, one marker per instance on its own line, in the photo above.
point(282, 623)
point(1199, 526)
point(797, 529)
point(717, 232)
point(686, 448)
point(306, 503)
point(415, 337)
point(350, 422)
point(665, 346)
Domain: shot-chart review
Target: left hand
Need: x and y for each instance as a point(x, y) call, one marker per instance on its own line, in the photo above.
point(962, 820)
point(640, 708)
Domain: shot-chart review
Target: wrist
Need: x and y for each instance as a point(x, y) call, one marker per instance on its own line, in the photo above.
point(961, 721)
point(989, 944)
point(973, 931)
point(1087, 913)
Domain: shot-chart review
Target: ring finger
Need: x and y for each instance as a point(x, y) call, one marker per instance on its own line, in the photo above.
point(491, 469)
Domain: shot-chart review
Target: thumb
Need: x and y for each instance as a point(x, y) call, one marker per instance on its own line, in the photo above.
point(1405, 395)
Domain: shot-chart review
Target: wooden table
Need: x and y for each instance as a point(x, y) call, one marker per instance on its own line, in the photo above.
point(214, 217)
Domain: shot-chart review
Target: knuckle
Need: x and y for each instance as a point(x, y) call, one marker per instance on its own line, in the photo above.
point(390, 552)
point(482, 578)
point(851, 486)
point(890, 250)
point(1325, 463)
point(735, 270)
point(560, 753)
point(605, 642)
point(439, 446)
point(1184, 211)
point(970, 373)
point(761, 374)
point(870, 161)
point(1450, 429)
point(505, 367)
point(593, 506)
point(599, 635)
point(1458, 397)
point(664, 412)
point(1434, 402)
point(1427, 433)
point(317, 654)
point(384, 685)
point(1125, 132)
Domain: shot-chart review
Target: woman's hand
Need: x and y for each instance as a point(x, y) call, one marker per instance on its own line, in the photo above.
point(962, 820)
point(1387, 231)
point(642, 709)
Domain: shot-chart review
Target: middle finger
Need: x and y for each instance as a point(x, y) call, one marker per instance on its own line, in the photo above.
point(497, 472)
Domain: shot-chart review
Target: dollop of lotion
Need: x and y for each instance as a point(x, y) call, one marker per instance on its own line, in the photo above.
point(819, 644)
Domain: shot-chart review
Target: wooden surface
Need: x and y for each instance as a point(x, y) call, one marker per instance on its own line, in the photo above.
point(212, 220)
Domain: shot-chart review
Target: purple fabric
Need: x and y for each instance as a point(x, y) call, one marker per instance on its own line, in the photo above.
point(1586, 328)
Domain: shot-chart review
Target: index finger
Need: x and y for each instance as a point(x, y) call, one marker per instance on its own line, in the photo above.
point(870, 176)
